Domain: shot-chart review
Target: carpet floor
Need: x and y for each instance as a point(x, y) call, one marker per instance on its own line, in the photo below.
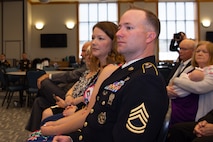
point(13, 121)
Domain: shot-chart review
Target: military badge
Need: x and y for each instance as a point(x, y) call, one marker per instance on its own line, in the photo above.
point(127, 78)
point(115, 86)
point(87, 94)
point(111, 98)
point(138, 119)
point(147, 66)
point(104, 92)
point(102, 118)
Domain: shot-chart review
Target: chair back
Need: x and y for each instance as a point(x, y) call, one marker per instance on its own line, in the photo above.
point(12, 79)
point(35, 62)
point(32, 76)
point(13, 83)
point(2, 78)
point(11, 69)
point(164, 129)
point(72, 62)
point(49, 68)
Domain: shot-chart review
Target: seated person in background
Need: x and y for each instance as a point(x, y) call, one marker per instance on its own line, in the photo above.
point(4, 63)
point(24, 63)
point(188, 103)
point(35, 62)
point(78, 94)
point(45, 62)
point(195, 75)
point(202, 90)
point(50, 84)
point(201, 131)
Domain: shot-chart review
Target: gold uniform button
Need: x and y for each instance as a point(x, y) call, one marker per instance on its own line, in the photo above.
point(103, 103)
point(91, 111)
point(80, 138)
point(85, 124)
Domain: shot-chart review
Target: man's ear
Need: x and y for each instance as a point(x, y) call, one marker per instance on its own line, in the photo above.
point(150, 36)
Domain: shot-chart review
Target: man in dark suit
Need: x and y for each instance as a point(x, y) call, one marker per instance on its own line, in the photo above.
point(201, 131)
point(50, 84)
point(184, 61)
point(188, 103)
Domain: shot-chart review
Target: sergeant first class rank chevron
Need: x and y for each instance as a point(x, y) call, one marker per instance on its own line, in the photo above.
point(139, 115)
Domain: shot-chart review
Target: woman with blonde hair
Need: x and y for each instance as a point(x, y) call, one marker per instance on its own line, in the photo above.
point(104, 54)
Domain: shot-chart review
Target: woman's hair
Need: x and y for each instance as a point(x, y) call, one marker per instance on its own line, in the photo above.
point(88, 50)
point(110, 29)
point(92, 66)
point(209, 47)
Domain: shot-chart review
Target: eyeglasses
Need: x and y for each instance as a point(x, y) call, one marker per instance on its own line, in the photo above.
point(184, 49)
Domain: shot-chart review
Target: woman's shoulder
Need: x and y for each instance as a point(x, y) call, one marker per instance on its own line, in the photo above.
point(209, 69)
point(109, 69)
point(209, 66)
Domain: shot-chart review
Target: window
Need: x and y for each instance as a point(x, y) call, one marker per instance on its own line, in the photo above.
point(175, 17)
point(90, 14)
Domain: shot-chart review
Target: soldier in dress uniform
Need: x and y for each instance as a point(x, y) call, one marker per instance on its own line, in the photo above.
point(3, 62)
point(24, 63)
point(132, 102)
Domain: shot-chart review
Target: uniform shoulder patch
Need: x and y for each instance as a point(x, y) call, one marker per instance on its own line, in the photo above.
point(138, 119)
point(146, 67)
